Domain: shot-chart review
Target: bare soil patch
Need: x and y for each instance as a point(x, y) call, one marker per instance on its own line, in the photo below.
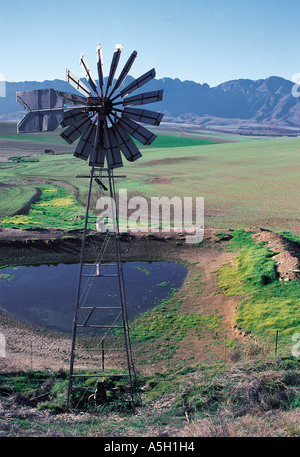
point(164, 180)
point(170, 160)
point(286, 253)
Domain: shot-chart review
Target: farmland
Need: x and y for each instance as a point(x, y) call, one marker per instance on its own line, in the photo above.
point(207, 351)
point(244, 183)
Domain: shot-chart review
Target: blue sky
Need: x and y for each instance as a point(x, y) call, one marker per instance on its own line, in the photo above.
point(207, 41)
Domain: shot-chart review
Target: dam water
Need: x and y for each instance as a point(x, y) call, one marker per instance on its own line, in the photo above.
point(44, 295)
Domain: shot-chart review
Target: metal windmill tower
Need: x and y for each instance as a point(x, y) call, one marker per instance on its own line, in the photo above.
point(104, 122)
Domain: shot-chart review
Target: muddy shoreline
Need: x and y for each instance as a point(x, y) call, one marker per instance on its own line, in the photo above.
point(29, 347)
point(36, 247)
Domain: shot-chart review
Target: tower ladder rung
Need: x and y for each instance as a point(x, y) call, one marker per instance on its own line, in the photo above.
point(100, 326)
point(101, 276)
point(101, 375)
point(99, 307)
point(100, 264)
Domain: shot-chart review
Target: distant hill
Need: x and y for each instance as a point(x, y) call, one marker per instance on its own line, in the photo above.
point(243, 102)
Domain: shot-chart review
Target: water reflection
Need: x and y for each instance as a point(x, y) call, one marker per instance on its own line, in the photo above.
point(45, 295)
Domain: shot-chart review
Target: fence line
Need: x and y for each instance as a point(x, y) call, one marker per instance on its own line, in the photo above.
point(30, 356)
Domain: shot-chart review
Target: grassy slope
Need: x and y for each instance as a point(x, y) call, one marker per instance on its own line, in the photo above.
point(245, 399)
point(13, 199)
point(243, 184)
point(270, 305)
point(253, 183)
point(258, 397)
point(239, 182)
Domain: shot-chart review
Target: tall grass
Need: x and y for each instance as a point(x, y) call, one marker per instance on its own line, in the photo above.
point(199, 400)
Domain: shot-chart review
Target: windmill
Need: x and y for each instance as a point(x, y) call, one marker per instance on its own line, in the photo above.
point(105, 121)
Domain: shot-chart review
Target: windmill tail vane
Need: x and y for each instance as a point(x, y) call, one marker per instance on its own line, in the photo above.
point(104, 118)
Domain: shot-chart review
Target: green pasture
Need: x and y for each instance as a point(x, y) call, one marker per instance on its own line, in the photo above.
point(170, 141)
point(268, 305)
point(243, 183)
point(14, 198)
point(8, 132)
point(193, 132)
point(35, 137)
point(56, 208)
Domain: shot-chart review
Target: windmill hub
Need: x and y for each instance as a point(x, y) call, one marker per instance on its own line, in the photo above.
point(101, 105)
point(108, 113)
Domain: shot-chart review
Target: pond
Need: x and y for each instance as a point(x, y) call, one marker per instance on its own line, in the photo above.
point(45, 295)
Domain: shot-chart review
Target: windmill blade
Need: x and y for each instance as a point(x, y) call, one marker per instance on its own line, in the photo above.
point(138, 132)
point(86, 144)
point(125, 71)
point(100, 68)
point(77, 83)
point(114, 64)
point(143, 115)
point(99, 156)
point(113, 156)
point(73, 116)
point(40, 121)
point(45, 110)
point(40, 99)
point(127, 146)
point(75, 131)
point(139, 82)
point(143, 99)
point(88, 74)
point(72, 99)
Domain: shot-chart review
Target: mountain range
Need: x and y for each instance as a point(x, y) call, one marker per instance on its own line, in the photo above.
point(243, 103)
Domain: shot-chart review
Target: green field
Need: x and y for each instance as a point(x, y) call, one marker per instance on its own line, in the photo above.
point(270, 304)
point(56, 205)
point(243, 183)
point(14, 198)
point(170, 141)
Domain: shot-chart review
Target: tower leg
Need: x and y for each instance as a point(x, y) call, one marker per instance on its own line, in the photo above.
point(122, 297)
point(74, 331)
point(121, 286)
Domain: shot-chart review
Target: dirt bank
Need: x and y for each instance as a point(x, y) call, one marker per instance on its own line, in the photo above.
point(52, 246)
point(29, 347)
